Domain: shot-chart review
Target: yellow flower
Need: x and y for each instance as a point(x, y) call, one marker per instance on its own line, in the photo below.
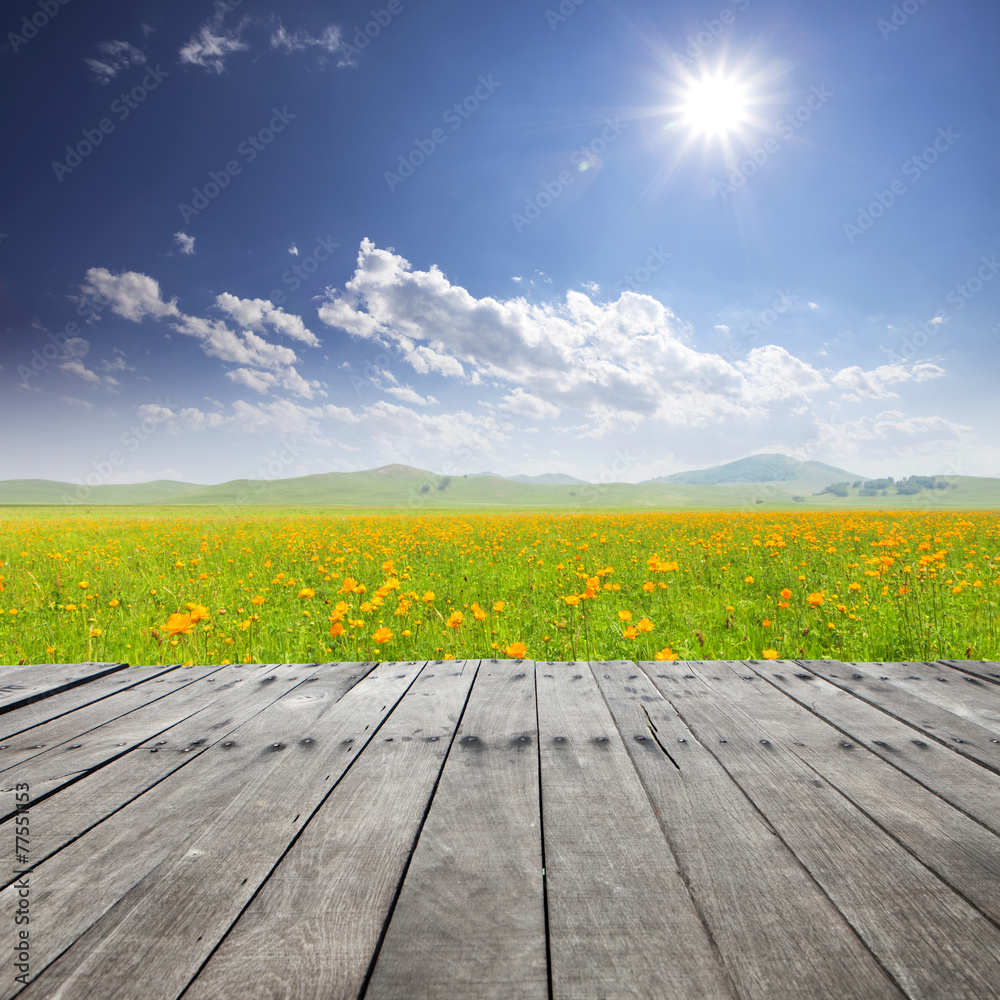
point(198, 611)
point(337, 629)
point(306, 593)
point(382, 634)
point(498, 606)
point(571, 600)
point(71, 607)
point(667, 654)
point(770, 654)
point(749, 579)
point(257, 600)
point(83, 585)
point(178, 624)
point(785, 594)
point(815, 600)
point(644, 625)
point(428, 597)
point(854, 586)
point(114, 602)
point(625, 616)
point(630, 633)
point(649, 586)
point(455, 619)
point(516, 650)
point(95, 632)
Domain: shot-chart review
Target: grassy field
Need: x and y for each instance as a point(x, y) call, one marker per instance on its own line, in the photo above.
point(167, 585)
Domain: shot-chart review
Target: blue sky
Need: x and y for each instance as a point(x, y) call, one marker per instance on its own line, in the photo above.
point(242, 239)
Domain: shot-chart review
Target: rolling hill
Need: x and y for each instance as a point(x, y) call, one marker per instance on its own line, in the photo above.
point(780, 482)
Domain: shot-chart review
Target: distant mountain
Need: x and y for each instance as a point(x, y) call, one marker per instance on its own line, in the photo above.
point(772, 480)
point(549, 479)
point(789, 474)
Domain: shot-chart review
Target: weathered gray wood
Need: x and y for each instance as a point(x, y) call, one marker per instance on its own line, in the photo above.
point(101, 730)
point(328, 900)
point(961, 735)
point(897, 906)
point(34, 714)
point(965, 784)
point(470, 920)
point(43, 680)
point(777, 933)
point(988, 670)
point(953, 690)
point(119, 911)
point(958, 849)
point(621, 921)
point(85, 799)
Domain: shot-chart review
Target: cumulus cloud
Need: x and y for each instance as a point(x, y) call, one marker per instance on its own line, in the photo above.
point(894, 434)
point(115, 57)
point(260, 313)
point(409, 395)
point(135, 296)
point(620, 362)
point(185, 242)
point(859, 384)
point(525, 404)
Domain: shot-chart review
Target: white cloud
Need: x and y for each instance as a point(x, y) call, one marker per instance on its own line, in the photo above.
point(135, 296)
point(83, 404)
point(525, 404)
point(260, 313)
point(212, 43)
point(409, 395)
point(130, 295)
point(185, 242)
point(75, 349)
point(859, 384)
point(293, 250)
point(620, 362)
point(298, 41)
point(115, 57)
point(892, 435)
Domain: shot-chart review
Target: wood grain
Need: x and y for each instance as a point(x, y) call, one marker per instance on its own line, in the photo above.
point(470, 920)
point(621, 921)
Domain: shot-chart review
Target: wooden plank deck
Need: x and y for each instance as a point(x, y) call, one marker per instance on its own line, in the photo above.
point(501, 829)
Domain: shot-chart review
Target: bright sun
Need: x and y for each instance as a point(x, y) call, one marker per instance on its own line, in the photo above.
point(714, 106)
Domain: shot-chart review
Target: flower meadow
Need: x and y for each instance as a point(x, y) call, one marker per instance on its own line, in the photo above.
point(308, 587)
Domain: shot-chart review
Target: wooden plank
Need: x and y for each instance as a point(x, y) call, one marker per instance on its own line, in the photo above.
point(327, 902)
point(958, 734)
point(134, 906)
point(930, 940)
point(956, 779)
point(34, 714)
point(953, 690)
point(83, 804)
point(621, 921)
point(957, 849)
point(470, 920)
point(28, 684)
point(987, 670)
point(118, 723)
point(777, 933)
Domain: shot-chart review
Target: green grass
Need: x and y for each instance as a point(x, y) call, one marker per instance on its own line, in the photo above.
point(894, 585)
